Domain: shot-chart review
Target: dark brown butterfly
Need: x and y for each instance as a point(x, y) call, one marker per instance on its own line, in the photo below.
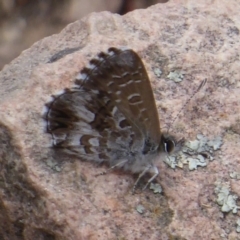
point(110, 115)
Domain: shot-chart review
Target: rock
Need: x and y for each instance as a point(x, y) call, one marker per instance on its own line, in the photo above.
point(46, 195)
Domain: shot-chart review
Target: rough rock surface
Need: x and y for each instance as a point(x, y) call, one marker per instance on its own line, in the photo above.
point(47, 196)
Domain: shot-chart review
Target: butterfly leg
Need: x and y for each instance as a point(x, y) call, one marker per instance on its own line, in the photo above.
point(111, 168)
point(139, 177)
point(155, 173)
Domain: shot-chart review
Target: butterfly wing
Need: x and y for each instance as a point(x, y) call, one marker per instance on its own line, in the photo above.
point(111, 115)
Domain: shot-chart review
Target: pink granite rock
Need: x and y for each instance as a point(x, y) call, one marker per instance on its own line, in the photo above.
point(48, 196)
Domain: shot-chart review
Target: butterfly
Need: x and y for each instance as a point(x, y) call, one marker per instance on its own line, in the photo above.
point(110, 115)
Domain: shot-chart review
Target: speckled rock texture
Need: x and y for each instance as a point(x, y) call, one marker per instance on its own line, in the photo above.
point(45, 195)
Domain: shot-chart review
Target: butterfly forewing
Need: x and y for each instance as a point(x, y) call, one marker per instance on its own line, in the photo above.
point(122, 76)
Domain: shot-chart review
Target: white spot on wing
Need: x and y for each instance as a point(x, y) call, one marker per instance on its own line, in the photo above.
point(111, 82)
point(95, 91)
point(111, 53)
point(133, 95)
point(94, 142)
point(114, 110)
point(81, 76)
point(91, 66)
point(84, 114)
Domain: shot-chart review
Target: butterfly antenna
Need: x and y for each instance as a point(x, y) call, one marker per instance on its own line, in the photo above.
point(196, 91)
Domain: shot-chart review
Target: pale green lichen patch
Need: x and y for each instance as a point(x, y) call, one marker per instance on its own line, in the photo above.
point(225, 198)
point(157, 72)
point(171, 161)
point(199, 161)
point(238, 225)
point(196, 153)
point(140, 208)
point(156, 187)
point(53, 165)
point(175, 76)
point(235, 175)
point(215, 143)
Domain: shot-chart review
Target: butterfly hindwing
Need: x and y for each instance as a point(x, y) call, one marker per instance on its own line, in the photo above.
point(89, 127)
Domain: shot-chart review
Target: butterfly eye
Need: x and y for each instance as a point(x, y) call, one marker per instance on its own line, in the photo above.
point(169, 145)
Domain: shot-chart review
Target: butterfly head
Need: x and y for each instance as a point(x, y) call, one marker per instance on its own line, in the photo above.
point(169, 144)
